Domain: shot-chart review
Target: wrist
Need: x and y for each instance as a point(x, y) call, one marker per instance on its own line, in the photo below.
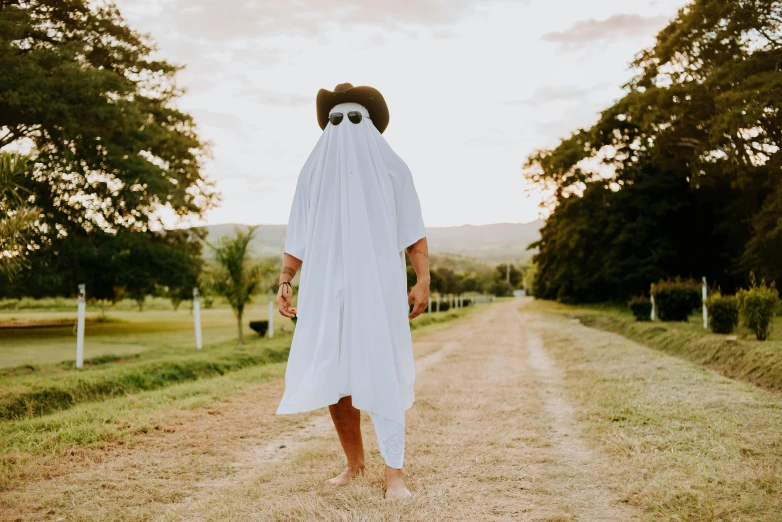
point(423, 280)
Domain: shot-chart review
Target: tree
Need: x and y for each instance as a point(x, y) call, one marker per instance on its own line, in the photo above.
point(17, 217)
point(239, 277)
point(111, 147)
point(689, 164)
point(515, 274)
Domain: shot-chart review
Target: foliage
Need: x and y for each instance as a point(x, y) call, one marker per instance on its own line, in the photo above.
point(676, 299)
point(757, 306)
point(682, 174)
point(239, 278)
point(515, 274)
point(641, 308)
point(111, 148)
point(17, 217)
point(723, 313)
point(501, 288)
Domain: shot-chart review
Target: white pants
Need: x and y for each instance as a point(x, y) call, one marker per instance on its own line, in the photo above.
point(391, 440)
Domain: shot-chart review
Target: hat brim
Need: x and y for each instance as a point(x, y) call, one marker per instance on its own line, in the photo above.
point(369, 97)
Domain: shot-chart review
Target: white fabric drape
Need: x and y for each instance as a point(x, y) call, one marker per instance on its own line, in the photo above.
point(354, 212)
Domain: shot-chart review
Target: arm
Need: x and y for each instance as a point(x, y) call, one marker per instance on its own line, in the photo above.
point(290, 265)
point(418, 253)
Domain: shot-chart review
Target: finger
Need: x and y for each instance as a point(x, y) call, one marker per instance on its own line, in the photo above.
point(286, 312)
point(410, 299)
point(418, 310)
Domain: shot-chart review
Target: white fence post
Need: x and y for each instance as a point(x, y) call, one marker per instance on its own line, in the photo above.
point(197, 318)
point(651, 297)
point(82, 309)
point(270, 331)
point(705, 312)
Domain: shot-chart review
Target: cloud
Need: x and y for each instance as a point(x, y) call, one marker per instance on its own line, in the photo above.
point(612, 28)
point(269, 97)
point(558, 94)
point(220, 120)
point(236, 19)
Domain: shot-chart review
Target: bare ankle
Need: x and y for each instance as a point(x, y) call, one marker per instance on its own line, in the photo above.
point(357, 468)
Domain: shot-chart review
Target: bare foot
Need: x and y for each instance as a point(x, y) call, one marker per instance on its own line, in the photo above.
point(343, 479)
point(395, 485)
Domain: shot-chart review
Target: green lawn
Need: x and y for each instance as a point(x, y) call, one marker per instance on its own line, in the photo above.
point(127, 332)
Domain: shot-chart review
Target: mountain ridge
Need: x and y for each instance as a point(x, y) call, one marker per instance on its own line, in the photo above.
point(496, 242)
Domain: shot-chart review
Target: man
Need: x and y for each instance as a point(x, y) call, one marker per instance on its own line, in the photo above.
point(354, 213)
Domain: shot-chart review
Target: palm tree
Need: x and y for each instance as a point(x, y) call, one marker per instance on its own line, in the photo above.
point(238, 278)
point(16, 216)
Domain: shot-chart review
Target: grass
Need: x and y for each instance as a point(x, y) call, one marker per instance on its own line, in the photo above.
point(747, 359)
point(48, 389)
point(48, 409)
point(688, 443)
point(127, 332)
point(32, 446)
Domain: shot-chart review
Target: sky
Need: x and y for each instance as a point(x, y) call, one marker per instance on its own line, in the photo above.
point(472, 86)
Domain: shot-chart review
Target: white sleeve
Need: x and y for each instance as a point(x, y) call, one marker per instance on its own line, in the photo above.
point(410, 223)
point(296, 235)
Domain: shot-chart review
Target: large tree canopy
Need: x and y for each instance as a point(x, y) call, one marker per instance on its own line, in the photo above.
point(81, 89)
point(689, 172)
point(78, 83)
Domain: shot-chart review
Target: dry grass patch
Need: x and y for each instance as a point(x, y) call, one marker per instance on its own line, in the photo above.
point(481, 445)
point(690, 444)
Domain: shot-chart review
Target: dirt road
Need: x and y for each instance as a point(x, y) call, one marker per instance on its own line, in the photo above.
point(492, 436)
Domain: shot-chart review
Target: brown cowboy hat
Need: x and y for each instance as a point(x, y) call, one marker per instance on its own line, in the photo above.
point(369, 97)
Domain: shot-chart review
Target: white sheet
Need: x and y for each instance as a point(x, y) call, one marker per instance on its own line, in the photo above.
point(354, 212)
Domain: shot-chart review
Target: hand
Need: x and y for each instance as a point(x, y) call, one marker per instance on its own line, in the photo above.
point(284, 301)
point(419, 295)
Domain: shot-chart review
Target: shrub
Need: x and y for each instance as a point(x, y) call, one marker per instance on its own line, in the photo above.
point(757, 306)
point(444, 306)
point(641, 308)
point(723, 313)
point(501, 288)
point(261, 327)
point(467, 301)
point(676, 299)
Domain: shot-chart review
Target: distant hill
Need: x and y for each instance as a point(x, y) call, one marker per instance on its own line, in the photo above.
point(489, 243)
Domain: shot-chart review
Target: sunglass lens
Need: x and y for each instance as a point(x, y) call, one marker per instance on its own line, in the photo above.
point(336, 118)
point(354, 116)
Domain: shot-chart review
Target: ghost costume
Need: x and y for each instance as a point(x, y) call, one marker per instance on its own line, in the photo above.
point(354, 212)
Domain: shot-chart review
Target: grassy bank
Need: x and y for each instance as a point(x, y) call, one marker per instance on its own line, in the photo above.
point(44, 390)
point(51, 410)
point(747, 359)
point(687, 444)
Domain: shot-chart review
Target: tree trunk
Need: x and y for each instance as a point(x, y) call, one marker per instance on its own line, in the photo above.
point(140, 303)
point(239, 325)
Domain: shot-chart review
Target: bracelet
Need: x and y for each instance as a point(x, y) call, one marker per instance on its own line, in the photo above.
point(285, 283)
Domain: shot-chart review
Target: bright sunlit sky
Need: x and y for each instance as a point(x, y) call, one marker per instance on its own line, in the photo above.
point(473, 86)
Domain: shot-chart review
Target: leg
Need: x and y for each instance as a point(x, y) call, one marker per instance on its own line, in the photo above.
point(395, 484)
point(347, 421)
point(391, 440)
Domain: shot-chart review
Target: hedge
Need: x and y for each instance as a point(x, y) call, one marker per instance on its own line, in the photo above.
point(723, 313)
point(676, 299)
point(641, 308)
point(757, 306)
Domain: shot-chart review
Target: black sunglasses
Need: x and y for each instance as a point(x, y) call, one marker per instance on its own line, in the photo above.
point(336, 117)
